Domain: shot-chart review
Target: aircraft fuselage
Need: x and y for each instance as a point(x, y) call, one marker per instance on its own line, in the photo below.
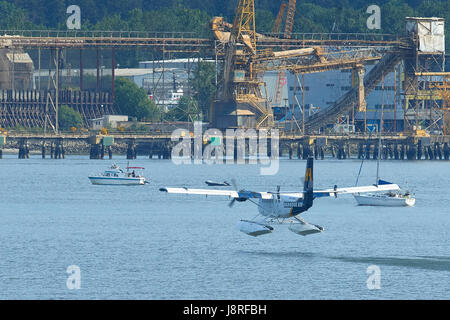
point(279, 208)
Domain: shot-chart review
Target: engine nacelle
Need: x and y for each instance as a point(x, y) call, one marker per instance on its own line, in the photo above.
point(254, 228)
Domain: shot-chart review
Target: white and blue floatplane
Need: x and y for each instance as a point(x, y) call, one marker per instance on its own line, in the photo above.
point(116, 176)
point(276, 208)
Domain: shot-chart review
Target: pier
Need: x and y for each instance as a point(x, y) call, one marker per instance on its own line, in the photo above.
point(160, 145)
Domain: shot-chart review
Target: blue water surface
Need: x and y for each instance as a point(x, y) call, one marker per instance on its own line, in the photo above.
point(139, 243)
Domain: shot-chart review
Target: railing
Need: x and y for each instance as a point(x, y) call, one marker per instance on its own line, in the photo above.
point(97, 34)
point(166, 135)
point(130, 34)
point(339, 36)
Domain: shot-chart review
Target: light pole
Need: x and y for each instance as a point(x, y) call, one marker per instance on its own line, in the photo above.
point(101, 77)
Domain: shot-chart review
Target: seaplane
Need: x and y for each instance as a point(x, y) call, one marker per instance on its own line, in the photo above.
point(282, 208)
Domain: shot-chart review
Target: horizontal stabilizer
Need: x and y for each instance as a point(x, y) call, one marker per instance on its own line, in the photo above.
point(351, 190)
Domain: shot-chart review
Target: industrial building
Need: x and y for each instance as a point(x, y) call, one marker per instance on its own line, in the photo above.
point(409, 95)
point(16, 70)
point(346, 79)
point(321, 90)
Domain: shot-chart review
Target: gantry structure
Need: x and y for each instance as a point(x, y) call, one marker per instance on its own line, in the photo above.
point(242, 55)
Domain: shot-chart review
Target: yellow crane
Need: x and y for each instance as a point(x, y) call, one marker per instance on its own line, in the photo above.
point(279, 19)
point(281, 76)
point(240, 102)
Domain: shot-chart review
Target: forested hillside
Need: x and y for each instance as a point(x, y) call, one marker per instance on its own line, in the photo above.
point(317, 16)
point(194, 15)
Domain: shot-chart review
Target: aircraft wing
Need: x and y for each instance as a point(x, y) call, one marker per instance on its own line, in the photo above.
point(242, 194)
point(246, 194)
point(206, 192)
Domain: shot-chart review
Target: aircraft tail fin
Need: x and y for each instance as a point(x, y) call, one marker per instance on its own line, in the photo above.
point(308, 189)
point(308, 185)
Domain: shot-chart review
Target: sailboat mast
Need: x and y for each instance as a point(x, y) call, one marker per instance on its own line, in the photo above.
point(379, 131)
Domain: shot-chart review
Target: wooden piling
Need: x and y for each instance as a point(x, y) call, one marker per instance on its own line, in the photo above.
point(360, 151)
point(63, 151)
point(375, 152)
point(446, 151)
point(419, 150)
point(437, 150)
point(102, 151)
point(430, 153)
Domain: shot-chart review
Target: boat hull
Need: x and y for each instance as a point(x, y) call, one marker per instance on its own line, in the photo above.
point(117, 181)
point(384, 201)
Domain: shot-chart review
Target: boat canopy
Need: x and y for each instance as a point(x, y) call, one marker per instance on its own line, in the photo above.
point(381, 182)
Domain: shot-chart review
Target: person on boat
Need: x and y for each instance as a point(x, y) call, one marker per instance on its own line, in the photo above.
point(133, 174)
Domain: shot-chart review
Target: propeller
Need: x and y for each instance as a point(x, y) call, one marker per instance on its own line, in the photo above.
point(234, 184)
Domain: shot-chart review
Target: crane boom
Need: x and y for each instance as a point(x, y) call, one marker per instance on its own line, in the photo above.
point(277, 25)
point(281, 76)
point(244, 24)
point(288, 26)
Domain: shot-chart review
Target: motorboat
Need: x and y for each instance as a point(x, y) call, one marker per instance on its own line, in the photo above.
point(217, 184)
point(116, 176)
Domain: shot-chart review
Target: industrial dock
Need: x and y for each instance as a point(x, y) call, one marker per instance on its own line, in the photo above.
point(397, 83)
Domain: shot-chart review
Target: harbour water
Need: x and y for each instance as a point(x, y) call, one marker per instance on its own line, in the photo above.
point(138, 243)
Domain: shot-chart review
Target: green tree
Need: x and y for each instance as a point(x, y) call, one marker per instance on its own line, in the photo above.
point(195, 15)
point(393, 16)
point(187, 110)
point(204, 85)
point(133, 101)
point(12, 17)
point(68, 118)
point(113, 22)
point(264, 21)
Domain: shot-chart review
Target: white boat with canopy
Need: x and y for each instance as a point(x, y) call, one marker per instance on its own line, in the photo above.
point(389, 199)
point(116, 176)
